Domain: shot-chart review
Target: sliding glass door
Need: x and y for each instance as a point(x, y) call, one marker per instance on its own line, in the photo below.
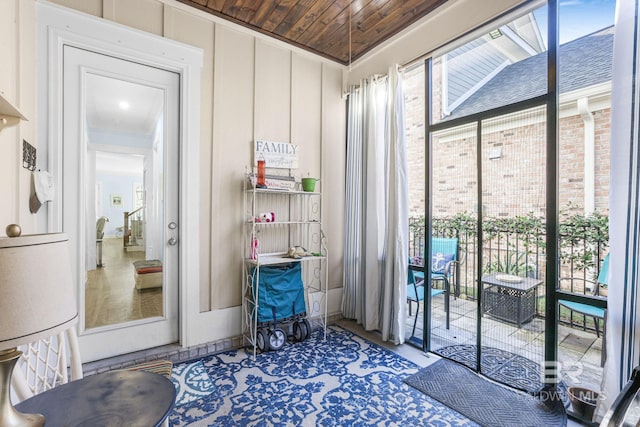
point(478, 200)
point(512, 172)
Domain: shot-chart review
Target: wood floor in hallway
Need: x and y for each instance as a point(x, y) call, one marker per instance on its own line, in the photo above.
point(110, 295)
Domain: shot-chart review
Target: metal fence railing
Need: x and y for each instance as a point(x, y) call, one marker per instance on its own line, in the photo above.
point(517, 246)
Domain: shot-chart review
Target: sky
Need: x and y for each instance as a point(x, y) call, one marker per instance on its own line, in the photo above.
point(579, 17)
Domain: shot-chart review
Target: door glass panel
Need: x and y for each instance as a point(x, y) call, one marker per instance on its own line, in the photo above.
point(125, 213)
point(514, 164)
point(453, 263)
point(585, 59)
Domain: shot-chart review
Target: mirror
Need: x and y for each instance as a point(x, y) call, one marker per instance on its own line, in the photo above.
point(124, 204)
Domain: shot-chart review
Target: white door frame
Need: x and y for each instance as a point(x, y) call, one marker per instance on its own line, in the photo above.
point(58, 26)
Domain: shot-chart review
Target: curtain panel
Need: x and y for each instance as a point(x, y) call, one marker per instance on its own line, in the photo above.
point(376, 216)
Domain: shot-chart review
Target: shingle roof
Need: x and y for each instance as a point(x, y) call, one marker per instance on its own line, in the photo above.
point(583, 62)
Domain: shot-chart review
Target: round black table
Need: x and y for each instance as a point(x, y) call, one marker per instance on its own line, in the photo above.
point(110, 399)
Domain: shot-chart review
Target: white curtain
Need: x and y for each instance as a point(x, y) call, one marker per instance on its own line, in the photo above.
point(376, 247)
point(623, 314)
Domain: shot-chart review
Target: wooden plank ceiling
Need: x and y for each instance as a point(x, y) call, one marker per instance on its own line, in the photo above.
point(322, 26)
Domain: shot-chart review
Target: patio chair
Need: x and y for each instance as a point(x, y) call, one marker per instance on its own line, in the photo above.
point(444, 261)
point(415, 293)
point(589, 310)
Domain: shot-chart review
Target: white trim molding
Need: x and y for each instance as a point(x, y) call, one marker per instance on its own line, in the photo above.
point(58, 26)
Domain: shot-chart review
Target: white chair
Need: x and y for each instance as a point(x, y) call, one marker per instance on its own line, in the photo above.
point(44, 364)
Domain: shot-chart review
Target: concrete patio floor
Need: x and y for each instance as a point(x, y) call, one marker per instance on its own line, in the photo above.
point(579, 352)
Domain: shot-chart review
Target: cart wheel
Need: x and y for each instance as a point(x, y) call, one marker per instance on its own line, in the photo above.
point(301, 330)
point(308, 326)
point(277, 337)
point(262, 340)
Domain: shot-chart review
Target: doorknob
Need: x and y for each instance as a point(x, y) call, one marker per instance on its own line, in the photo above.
point(172, 241)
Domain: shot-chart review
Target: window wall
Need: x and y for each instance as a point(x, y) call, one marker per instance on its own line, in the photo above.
point(490, 170)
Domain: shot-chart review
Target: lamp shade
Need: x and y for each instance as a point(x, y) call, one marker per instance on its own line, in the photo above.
point(37, 296)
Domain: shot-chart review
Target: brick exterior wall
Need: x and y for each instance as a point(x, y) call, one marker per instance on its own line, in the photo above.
point(415, 134)
point(514, 179)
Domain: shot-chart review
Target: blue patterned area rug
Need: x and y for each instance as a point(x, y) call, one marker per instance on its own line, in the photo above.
point(485, 402)
point(344, 380)
point(191, 382)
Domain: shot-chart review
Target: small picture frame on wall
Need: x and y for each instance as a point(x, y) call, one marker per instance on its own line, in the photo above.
point(116, 200)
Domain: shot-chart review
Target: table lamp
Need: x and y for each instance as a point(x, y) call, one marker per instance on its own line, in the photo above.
point(37, 300)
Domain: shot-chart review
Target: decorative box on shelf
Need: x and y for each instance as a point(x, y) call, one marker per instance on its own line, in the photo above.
point(277, 182)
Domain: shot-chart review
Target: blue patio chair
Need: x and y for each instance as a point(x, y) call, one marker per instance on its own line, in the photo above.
point(443, 261)
point(415, 293)
point(596, 313)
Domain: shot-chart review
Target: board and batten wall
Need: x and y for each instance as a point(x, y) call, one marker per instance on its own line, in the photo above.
point(252, 87)
point(17, 85)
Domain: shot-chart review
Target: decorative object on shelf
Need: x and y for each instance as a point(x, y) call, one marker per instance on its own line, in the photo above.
point(13, 230)
point(36, 303)
point(278, 182)
point(280, 155)
point(261, 170)
point(297, 252)
point(9, 115)
point(28, 156)
point(309, 184)
point(272, 182)
point(255, 244)
point(267, 217)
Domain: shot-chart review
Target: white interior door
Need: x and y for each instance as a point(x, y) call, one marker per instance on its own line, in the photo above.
point(121, 108)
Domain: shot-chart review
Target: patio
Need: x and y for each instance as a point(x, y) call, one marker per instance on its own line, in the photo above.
point(579, 351)
point(515, 246)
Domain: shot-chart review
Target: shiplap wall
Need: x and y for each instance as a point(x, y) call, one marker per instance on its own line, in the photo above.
point(17, 85)
point(252, 87)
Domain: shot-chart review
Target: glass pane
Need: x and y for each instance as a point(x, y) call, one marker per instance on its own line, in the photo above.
point(454, 222)
point(514, 187)
point(506, 64)
point(125, 154)
point(585, 60)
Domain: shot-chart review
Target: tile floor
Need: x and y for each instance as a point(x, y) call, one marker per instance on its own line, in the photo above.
point(579, 352)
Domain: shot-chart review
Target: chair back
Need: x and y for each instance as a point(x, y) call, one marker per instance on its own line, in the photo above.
point(445, 246)
point(43, 364)
point(603, 276)
point(100, 227)
point(411, 277)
